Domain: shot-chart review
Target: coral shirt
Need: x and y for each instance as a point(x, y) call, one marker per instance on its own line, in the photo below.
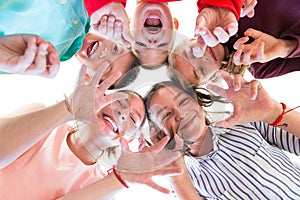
point(48, 170)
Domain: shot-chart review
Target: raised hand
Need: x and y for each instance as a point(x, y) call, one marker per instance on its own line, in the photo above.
point(140, 167)
point(28, 55)
point(248, 8)
point(88, 98)
point(111, 21)
point(215, 25)
point(263, 49)
point(250, 101)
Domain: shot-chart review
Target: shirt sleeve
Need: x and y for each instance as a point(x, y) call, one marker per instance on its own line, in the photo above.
point(278, 137)
point(93, 5)
point(234, 5)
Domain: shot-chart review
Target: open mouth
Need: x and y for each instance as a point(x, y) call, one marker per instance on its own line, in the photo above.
point(111, 124)
point(92, 48)
point(153, 24)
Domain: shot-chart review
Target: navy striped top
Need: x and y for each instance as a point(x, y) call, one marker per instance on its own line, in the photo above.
point(247, 163)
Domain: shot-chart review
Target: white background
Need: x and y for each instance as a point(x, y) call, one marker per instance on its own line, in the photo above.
point(18, 90)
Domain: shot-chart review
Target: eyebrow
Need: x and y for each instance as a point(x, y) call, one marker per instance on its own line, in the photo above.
point(163, 44)
point(185, 55)
point(176, 97)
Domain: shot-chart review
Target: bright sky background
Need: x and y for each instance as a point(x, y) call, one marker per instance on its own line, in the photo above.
point(19, 90)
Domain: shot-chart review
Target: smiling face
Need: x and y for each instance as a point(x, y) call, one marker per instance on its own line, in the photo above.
point(196, 70)
point(97, 50)
point(172, 108)
point(153, 32)
point(122, 117)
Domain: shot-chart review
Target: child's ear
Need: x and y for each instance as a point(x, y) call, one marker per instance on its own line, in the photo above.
point(176, 23)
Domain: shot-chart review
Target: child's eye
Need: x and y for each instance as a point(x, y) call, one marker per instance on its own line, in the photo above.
point(183, 101)
point(115, 49)
point(166, 115)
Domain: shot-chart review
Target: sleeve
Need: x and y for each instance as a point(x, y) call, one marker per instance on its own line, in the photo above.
point(93, 5)
point(293, 33)
point(234, 5)
point(278, 137)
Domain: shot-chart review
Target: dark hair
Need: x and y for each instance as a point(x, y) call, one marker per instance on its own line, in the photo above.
point(129, 76)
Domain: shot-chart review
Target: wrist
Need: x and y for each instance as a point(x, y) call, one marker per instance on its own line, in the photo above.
point(275, 111)
point(288, 46)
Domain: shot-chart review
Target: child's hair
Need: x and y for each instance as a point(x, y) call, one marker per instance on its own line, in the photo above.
point(129, 77)
point(201, 95)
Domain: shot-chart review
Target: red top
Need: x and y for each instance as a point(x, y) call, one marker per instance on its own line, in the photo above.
point(234, 5)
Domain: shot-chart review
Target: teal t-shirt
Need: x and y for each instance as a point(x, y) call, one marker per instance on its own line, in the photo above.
point(62, 22)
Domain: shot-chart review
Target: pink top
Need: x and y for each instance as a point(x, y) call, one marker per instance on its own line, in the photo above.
point(47, 171)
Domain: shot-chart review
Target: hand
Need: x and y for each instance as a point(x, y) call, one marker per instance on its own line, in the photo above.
point(263, 49)
point(88, 98)
point(248, 8)
point(111, 21)
point(28, 55)
point(250, 101)
point(140, 167)
point(215, 25)
point(148, 159)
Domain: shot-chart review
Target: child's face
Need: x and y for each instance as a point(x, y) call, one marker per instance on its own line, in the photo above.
point(122, 117)
point(153, 32)
point(194, 69)
point(172, 108)
point(97, 50)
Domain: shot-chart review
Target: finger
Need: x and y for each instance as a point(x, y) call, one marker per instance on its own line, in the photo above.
point(237, 45)
point(102, 28)
point(255, 85)
point(168, 171)
point(124, 144)
point(249, 9)
point(108, 99)
point(29, 53)
point(81, 76)
point(221, 34)
point(247, 56)
point(232, 28)
point(110, 26)
point(128, 38)
point(54, 66)
point(200, 24)
point(237, 57)
point(97, 76)
point(208, 38)
point(109, 81)
point(40, 59)
point(217, 89)
point(160, 145)
point(117, 30)
point(227, 78)
point(157, 187)
point(200, 48)
point(237, 82)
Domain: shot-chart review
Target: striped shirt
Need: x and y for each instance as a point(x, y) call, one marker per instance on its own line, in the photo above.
point(247, 163)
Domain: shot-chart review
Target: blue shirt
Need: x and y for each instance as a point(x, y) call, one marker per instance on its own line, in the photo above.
point(247, 163)
point(64, 23)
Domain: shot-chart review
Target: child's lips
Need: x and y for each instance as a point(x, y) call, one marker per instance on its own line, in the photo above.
point(91, 49)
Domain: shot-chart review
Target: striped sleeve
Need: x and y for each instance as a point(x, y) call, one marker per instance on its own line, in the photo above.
point(278, 137)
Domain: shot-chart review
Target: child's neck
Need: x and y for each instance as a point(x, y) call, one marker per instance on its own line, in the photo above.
point(203, 145)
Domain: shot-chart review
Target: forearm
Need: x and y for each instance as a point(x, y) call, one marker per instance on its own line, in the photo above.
point(104, 189)
point(18, 132)
point(290, 120)
point(288, 47)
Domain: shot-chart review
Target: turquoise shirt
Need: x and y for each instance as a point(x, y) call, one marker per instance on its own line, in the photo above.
point(64, 23)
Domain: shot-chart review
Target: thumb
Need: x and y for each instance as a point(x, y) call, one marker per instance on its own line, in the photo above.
point(124, 144)
point(252, 33)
